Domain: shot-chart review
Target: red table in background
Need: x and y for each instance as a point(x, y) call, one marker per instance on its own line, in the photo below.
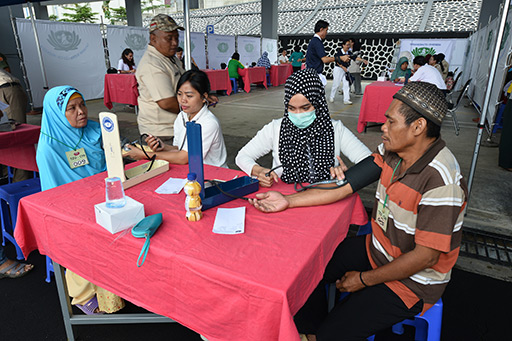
point(219, 80)
point(17, 147)
point(376, 100)
point(250, 75)
point(226, 287)
point(280, 73)
point(120, 88)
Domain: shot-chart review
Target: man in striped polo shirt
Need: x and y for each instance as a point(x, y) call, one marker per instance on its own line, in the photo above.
point(402, 267)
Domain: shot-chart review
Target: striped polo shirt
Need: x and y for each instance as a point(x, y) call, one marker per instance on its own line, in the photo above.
point(426, 206)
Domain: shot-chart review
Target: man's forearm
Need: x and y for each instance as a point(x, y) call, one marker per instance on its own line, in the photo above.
point(169, 104)
point(327, 60)
point(314, 197)
point(402, 267)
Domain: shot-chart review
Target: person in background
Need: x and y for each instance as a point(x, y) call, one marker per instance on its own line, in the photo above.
point(192, 90)
point(13, 94)
point(223, 66)
point(306, 143)
point(3, 63)
point(403, 266)
point(340, 74)
point(315, 55)
point(283, 58)
point(126, 63)
point(263, 61)
point(401, 71)
point(505, 147)
point(355, 67)
point(64, 129)
point(429, 59)
point(233, 66)
point(10, 268)
point(157, 76)
point(181, 57)
point(441, 65)
point(426, 73)
point(297, 58)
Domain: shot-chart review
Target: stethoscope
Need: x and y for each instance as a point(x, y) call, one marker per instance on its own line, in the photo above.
point(299, 187)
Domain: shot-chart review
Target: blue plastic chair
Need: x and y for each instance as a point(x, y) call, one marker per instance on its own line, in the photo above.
point(234, 87)
point(49, 269)
point(10, 174)
point(10, 196)
point(498, 123)
point(427, 327)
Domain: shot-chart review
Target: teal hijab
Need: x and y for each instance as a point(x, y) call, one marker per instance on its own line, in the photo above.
point(58, 136)
point(398, 69)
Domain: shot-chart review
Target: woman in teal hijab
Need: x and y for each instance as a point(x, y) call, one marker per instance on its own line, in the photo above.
point(401, 70)
point(69, 149)
point(66, 130)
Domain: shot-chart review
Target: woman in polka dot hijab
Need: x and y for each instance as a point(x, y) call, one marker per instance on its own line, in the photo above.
point(306, 154)
point(304, 142)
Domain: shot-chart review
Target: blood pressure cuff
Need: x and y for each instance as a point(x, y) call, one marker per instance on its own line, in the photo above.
point(362, 174)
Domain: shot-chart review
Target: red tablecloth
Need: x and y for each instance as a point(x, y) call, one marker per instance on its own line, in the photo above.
point(120, 88)
point(250, 75)
point(376, 100)
point(280, 73)
point(219, 80)
point(17, 147)
point(226, 287)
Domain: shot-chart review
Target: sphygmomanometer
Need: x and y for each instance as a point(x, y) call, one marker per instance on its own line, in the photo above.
point(358, 176)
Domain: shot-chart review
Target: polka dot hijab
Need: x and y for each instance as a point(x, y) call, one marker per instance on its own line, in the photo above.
point(306, 154)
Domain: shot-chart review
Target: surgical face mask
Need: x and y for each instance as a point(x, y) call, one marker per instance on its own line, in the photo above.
point(303, 119)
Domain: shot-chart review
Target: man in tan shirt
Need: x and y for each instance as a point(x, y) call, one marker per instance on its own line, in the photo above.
point(12, 93)
point(157, 74)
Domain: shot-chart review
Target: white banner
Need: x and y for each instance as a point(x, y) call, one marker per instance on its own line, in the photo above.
point(249, 49)
point(220, 50)
point(484, 53)
point(468, 62)
point(122, 37)
point(501, 70)
point(478, 44)
point(270, 45)
point(422, 47)
point(197, 47)
point(72, 55)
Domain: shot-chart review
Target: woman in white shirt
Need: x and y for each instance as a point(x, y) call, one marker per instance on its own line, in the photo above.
point(306, 142)
point(126, 63)
point(192, 92)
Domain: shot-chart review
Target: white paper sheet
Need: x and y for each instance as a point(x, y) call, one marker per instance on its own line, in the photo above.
point(229, 221)
point(171, 186)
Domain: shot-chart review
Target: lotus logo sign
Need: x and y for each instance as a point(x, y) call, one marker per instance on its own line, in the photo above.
point(249, 48)
point(423, 51)
point(64, 40)
point(192, 45)
point(222, 47)
point(136, 41)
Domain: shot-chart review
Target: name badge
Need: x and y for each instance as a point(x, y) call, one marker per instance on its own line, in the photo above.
point(382, 216)
point(77, 158)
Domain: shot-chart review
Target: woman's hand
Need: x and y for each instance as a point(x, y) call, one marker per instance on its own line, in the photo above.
point(212, 100)
point(264, 179)
point(338, 172)
point(155, 143)
point(270, 202)
point(134, 152)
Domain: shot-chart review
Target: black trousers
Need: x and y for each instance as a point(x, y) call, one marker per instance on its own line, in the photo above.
point(360, 314)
